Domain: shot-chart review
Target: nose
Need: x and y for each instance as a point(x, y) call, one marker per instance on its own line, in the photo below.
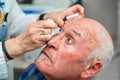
point(54, 42)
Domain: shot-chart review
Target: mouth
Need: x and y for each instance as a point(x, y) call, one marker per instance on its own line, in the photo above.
point(44, 56)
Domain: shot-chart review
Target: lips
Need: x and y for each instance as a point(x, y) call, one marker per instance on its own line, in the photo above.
point(47, 55)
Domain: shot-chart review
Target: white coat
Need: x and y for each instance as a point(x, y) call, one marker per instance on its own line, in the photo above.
point(17, 22)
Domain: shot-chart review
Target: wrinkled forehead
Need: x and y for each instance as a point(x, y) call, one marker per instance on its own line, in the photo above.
point(77, 23)
point(92, 30)
point(86, 27)
point(85, 24)
point(81, 22)
point(82, 25)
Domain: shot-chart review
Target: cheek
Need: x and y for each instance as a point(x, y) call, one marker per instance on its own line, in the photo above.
point(66, 59)
point(85, 49)
point(67, 64)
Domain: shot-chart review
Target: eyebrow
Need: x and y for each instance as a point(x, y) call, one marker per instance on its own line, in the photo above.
point(76, 33)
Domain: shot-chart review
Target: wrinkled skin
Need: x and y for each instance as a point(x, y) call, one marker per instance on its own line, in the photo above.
point(63, 58)
point(60, 16)
point(32, 37)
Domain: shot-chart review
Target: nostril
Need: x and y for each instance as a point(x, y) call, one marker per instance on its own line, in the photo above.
point(52, 47)
point(53, 44)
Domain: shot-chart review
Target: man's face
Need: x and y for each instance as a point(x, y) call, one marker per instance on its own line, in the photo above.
point(65, 53)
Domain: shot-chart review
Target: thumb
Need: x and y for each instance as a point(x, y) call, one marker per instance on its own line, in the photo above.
point(60, 22)
point(51, 21)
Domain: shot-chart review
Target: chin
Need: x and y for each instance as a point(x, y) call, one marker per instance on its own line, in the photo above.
point(41, 66)
point(37, 64)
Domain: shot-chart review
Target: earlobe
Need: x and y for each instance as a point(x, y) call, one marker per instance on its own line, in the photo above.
point(91, 70)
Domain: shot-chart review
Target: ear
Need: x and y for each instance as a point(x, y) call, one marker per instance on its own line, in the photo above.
point(91, 69)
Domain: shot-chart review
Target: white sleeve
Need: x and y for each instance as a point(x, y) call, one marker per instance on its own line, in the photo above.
point(3, 66)
point(17, 20)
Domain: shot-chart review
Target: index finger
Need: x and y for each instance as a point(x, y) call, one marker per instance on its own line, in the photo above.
point(76, 9)
point(47, 24)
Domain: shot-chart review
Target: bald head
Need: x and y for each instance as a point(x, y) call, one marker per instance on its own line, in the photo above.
point(98, 36)
point(79, 52)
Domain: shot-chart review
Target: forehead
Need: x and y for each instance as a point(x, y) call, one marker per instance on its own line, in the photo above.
point(81, 26)
point(78, 24)
point(84, 27)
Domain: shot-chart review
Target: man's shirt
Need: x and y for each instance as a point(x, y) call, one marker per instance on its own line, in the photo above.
point(32, 73)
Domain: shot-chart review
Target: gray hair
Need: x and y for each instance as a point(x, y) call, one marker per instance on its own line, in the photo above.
point(104, 52)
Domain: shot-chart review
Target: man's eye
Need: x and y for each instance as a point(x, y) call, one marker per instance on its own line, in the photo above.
point(69, 40)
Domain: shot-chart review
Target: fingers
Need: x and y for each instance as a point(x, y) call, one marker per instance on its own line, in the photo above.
point(59, 21)
point(45, 31)
point(41, 38)
point(79, 9)
point(75, 9)
point(41, 30)
point(46, 24)
point(36, 35)
point(44, 38)
point(56, 16)
point(60, 16)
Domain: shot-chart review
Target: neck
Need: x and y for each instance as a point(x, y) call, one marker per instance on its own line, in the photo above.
point(72, 79)
point(86, 79)
point(50, 78)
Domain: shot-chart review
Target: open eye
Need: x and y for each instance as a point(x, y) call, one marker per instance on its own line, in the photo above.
point(69, 40)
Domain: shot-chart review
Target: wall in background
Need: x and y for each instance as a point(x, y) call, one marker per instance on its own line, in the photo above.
point(104, 11)
point(118, 42)
point(107, 12)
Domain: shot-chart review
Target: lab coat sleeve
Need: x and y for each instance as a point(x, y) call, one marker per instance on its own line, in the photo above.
point(3, 66)
point(17, 20)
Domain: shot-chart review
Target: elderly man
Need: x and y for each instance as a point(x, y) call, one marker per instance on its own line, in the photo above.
point(80, 51)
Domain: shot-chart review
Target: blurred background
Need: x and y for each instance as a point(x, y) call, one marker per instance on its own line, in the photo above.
point(106, 12)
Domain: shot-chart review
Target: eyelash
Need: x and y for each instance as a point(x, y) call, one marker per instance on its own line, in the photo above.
point(68, 38)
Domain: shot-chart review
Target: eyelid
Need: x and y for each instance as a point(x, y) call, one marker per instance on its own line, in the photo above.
point(69, 36)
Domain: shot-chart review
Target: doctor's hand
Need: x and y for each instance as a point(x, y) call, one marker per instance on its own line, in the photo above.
point(60, 16)
point(32, 38)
